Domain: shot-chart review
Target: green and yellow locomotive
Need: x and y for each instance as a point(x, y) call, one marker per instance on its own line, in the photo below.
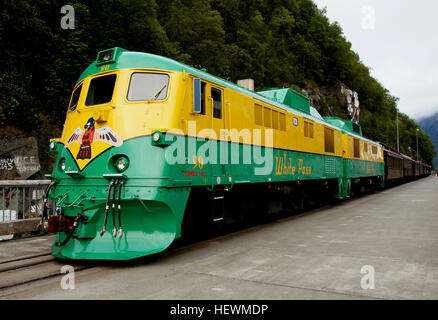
point(151, 146)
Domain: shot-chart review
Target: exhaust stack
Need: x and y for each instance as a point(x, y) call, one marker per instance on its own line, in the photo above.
point(246, 83)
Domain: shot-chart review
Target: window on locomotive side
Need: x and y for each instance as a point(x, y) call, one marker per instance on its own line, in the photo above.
point(308, 129)
point(356, 148)
point(75, 99)
point(282, 122)
point(203, 85)
point(365, 147)
point(267, 117)
point(374, 150)
point(329, 140)
point(148, 86)
point(258, 115)
point(216, 95)
point(275, 124)
point(101, 90)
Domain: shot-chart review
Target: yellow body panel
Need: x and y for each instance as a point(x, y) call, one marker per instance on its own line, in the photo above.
point(238, 114)
point(365, 154)
point(134, 119)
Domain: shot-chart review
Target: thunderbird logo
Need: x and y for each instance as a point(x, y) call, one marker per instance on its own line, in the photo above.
point(90, 135)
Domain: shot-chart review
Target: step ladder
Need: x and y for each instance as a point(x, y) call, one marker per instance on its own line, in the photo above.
point(218, 207)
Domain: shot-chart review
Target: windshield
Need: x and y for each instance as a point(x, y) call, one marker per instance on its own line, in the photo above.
point(75, 98)
point(148, 87)
point(101, 90)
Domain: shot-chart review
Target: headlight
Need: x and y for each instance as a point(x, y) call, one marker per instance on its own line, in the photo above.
point(156, 136)
point(122, 164)
point(62, 165)
point(105, 56)
point(52, 145)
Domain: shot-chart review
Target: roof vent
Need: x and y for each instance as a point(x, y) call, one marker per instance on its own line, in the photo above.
point(246, 83)
point(288, 97)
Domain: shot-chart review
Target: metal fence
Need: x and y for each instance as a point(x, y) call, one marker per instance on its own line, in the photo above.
point(22, 199)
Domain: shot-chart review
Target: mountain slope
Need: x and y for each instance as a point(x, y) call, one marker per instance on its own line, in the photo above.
point(430, 126)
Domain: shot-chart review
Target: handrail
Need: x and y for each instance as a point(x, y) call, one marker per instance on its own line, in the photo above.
point(23, 199)
point(24, 183)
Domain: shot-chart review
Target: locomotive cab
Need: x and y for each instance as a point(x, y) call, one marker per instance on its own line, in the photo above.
point(108, 164)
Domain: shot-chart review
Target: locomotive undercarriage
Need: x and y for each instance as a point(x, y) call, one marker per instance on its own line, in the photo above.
point(246, 205)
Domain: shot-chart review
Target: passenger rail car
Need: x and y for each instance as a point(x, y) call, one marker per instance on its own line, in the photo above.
point(152, 147)
point(401, 168)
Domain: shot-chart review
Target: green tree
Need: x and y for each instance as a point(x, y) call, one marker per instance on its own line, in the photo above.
point(279, 43)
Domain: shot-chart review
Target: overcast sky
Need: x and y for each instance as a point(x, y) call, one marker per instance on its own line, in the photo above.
point(397, 40)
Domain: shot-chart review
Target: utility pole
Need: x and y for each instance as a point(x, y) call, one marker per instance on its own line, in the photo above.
point(398, 135)
point(417, 142)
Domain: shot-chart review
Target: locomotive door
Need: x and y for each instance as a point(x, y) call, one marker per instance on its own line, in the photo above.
point(218, 170)
point(219, 167)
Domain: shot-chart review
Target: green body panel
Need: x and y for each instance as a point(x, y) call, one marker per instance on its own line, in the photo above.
point(358, 170)
point(239, 163)
point(151, 211)
point(363, 169)
point(150, 226)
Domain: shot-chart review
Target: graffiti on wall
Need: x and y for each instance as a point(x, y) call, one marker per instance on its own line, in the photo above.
point(19, 158)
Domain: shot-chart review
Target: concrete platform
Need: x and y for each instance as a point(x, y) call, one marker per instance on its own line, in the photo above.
point(317, 255)
point(18, 248)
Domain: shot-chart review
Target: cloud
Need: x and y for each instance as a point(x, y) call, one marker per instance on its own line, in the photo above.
point(400, 50)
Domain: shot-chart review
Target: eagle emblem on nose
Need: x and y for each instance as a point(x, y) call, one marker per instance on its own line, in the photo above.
point(91, 134)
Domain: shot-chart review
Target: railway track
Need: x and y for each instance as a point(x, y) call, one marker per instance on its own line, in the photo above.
point(25, 269)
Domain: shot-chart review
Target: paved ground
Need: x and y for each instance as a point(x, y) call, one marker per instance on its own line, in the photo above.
point(317, 255)
point(14, 249)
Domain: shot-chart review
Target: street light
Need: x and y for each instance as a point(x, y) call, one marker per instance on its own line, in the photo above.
point(417, 142)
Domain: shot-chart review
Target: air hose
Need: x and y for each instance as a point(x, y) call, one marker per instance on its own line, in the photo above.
point(108, 195)
point(114, 209)
point(79, 218)
point(120, 234)
point(44, 216)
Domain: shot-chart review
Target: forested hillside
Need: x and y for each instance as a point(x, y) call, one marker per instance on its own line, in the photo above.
point(430, 126)
point(279, 43)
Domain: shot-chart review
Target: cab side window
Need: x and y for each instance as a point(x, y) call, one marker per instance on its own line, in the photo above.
point(203, 97)
point(75, 98)
point(216, 95)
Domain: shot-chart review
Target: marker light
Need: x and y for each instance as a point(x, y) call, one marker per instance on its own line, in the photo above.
point(161, 140)
point(156, 136)
point(62, 164)
point(52, 145)
point(122, 164)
